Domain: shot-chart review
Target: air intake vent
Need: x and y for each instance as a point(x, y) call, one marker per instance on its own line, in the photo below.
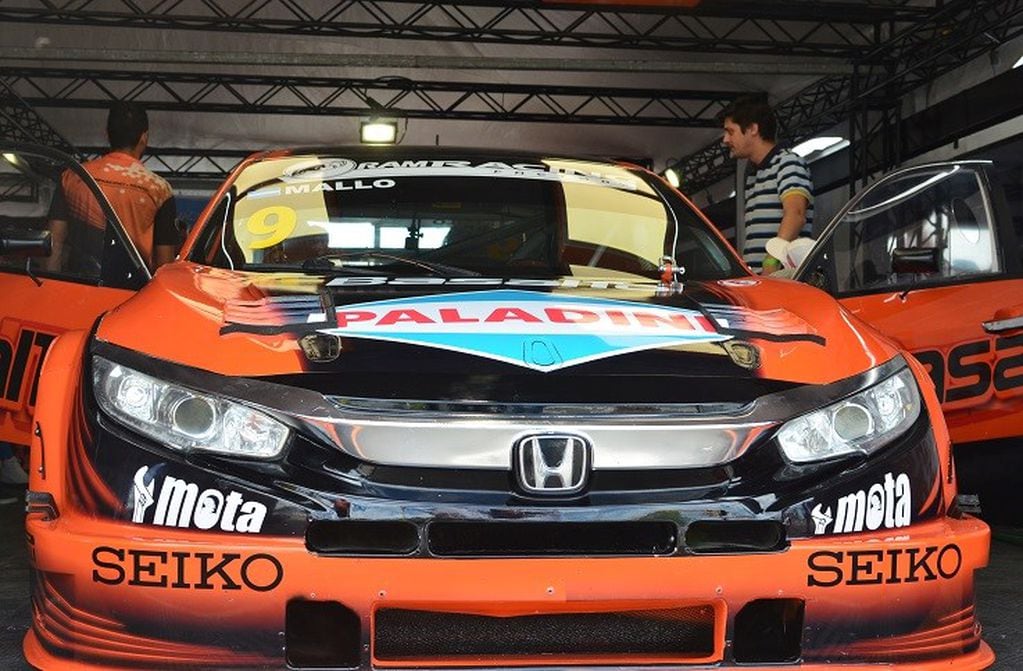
point(361, 537)
point(531, 539)
point(769, 631)
point(321, 634)
point(739, 537)
point(657, 636)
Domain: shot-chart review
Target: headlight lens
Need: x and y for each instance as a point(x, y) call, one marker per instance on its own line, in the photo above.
point(862, 423)
point(184, 419)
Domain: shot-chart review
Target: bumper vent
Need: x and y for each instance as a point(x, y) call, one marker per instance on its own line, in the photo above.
point(769, 631)
point(661, 636)
point(533, 539)
point(361, 537)
point(321, 634)
point(739, 537)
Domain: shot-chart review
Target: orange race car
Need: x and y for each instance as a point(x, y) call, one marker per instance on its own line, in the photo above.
point(403, 408)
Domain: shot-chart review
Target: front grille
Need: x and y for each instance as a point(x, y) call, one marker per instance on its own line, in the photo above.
point(683, 634)
point(531, 539)
point(432, 409)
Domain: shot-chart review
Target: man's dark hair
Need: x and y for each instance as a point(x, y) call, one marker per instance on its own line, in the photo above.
point(752, 110)
point(126, 123)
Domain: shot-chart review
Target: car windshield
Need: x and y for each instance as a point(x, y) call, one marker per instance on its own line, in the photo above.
point(456, 217)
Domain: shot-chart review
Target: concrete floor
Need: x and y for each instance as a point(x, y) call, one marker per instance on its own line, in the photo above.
point(1000, 593)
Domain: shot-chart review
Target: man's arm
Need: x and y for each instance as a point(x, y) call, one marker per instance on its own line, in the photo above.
point(793, 217)
point(57, 223)
point(58, 234)
point(165, 234)
point(163, 254)
point(795, 189)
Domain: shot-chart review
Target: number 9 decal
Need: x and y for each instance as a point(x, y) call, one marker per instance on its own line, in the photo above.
point(276, 222)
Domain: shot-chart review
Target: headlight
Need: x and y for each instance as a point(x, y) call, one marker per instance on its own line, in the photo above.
point(861, 423)
point(184, 419)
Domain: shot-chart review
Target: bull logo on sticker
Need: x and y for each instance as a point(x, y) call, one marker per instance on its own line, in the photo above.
point(182, 504)
point(318, 170)
point(884, 505)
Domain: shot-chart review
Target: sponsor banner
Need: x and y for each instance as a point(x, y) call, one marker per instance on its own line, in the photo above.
point(893, 566)
point(538, 331)
point(21, 358)
point(883, 505)
point(228, 571)
point(173, 502)
point(330, 169)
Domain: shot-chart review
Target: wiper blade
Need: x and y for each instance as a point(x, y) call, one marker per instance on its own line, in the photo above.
point(325, 263)
point(291, 268)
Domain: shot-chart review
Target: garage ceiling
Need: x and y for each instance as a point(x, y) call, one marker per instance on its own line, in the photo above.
point(638, 80)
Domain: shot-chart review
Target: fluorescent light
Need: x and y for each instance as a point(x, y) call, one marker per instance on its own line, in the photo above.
point(672, 177)
point(816, 144)
point(378, 131)
point(1019, 63)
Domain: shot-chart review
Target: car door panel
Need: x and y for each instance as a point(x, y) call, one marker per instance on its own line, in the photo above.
point(42, 299)
point(928, 256)
point(977, 375)
point(32, 317)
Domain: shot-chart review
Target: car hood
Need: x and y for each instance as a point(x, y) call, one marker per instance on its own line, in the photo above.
point(582, 338)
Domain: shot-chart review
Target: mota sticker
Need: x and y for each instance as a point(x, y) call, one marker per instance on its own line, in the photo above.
point(534, 330)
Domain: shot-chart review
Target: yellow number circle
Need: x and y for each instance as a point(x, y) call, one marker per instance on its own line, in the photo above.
point(276, 223)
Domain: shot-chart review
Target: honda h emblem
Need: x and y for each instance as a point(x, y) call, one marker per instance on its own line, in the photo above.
point(552, 463)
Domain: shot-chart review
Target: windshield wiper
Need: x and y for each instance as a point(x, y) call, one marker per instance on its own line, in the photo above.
point(312, 268)
point(325, 262)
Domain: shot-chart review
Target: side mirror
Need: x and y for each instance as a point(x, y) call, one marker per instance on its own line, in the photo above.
point(916, 260)
point(25, 243)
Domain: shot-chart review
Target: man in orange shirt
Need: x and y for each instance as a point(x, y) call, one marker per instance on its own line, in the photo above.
point(142, 200)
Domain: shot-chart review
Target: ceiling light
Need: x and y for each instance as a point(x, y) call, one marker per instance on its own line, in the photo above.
point(816, 144)
point(11, 158)
point(378, 131)
point(1019, 63)
point(672, 177)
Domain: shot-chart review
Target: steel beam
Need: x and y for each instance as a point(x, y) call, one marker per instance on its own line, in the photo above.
point(414, 61)
point(392, 97)
point(20, 122)
point(793, 27)
point(956, 33)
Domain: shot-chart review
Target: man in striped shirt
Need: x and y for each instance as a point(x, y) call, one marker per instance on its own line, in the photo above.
point(779, 193)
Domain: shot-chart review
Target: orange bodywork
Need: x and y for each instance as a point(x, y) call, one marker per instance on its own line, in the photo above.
point(978, 375)
point(55, 307)
point(117, 586)
point(64, 552)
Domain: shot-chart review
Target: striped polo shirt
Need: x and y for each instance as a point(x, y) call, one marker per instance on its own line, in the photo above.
point(782, 174)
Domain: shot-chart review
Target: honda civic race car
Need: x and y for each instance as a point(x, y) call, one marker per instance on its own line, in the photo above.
point(400, 408)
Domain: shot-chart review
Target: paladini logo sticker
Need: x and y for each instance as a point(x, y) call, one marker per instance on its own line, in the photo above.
point(182, 504)
point(884, 505)
point(535, 330)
